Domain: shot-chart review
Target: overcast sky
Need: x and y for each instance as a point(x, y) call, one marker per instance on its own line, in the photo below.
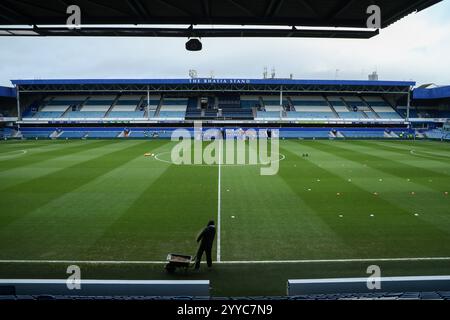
point(415, 48)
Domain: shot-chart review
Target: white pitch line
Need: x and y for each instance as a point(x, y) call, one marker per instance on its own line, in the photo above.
point(219, 192)
point(281, 157)
point(338, 260)
point(118, 262)
point(81, 262)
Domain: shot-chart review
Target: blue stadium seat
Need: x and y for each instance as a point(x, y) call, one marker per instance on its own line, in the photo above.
point(389, 115)
point(36, 134)
point(269, 115)
point(103, 134)
point(72, 134)
point(48, 115)
point(85, 114)
point(304, 134)
point(310, 115)
point(363, 133)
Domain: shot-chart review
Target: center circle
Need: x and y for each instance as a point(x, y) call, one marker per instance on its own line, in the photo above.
point(161, 157)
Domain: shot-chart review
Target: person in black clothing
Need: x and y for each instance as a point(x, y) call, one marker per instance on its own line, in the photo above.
point(206, 239)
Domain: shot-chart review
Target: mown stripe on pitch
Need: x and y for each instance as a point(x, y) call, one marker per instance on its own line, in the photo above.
point(165, 218)
point(400, 170)
point(80, 217)
point(422, 144)
point(23, 198)
point(272, 221)
point(428, 153)
point(59, 150)
point(410, 205)
point(328, 203)
point(407, 154)
point(392, 219)
point(18, 145)
point(17, 175)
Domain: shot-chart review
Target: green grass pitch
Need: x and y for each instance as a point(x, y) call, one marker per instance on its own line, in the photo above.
point(102, 200)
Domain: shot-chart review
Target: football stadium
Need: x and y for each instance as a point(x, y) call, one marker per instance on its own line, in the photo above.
point(77, 186)
point(115, 176)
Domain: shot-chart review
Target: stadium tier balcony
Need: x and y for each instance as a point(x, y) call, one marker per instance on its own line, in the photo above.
point(352, 115)
point(237, 113)
point(269, 115)
point(73, 134)
point(310, 115)
point(305, 134)
point(103, 134)
point(48, 114)
point(141, 133)
point(438, 134)
point(85, 114)
point(389, 115)
point(36, 134)
point(370, 134)
point(126, 114)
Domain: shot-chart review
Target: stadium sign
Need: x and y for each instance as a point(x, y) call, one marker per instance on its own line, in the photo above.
point(219, 81)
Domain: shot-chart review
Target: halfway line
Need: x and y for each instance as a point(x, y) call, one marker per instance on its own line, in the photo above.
point(218, 200)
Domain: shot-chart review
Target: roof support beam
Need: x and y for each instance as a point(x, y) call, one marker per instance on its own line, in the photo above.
point(241, 7)
point(139, 10)
point(189, 32)
point(340, 8)
point(10, 11)
point(308, 5)
point(100, 5)
point(35, 5)
point(207, 9)
point(273, 8)
point(171, 6)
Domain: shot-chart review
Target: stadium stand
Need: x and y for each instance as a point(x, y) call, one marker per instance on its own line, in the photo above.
point(365, 134)
point(73, 135)
point(93, 107)
point(127, 107)
point(103, 134)
point(173, 109)
point(148, 133)
point(310, 107)
point(437, 134)
point(250, 102)
point(55, 106)
point(165, 132)
point(339, 106)
point(358, 107)
point(269, 108)
point(360, 113)
point(193, 110)
point(381, 108)
point(305, 133)
point(233, 107)
point(37, 133)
